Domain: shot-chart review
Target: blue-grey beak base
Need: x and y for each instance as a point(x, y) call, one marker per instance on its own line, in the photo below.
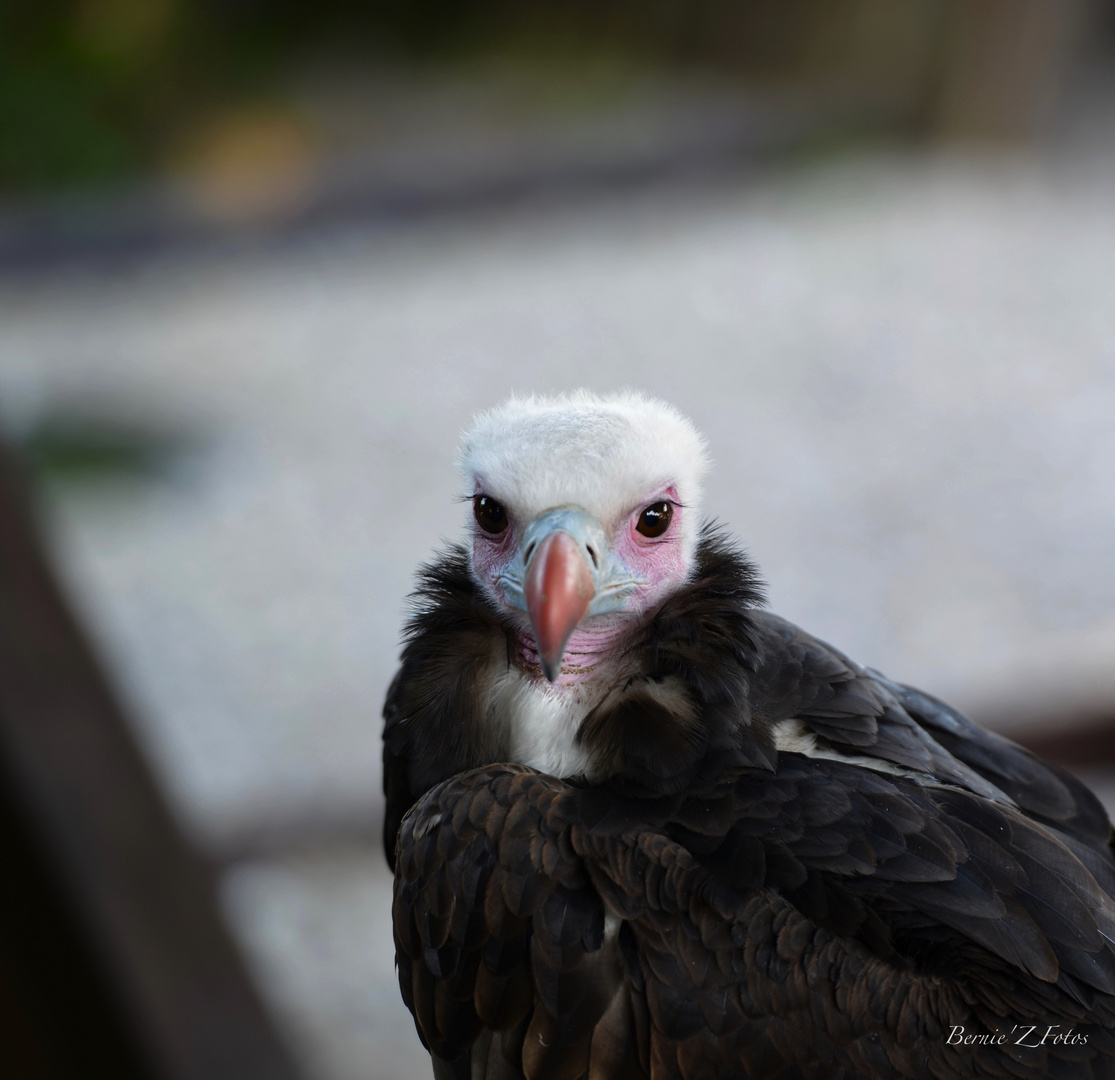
point(613, 582)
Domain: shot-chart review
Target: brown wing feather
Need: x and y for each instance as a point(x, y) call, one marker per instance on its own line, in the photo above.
point(881, 918)
point(497, 927)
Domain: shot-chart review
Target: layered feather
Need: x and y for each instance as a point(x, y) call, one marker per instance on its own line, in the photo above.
point(783, 864)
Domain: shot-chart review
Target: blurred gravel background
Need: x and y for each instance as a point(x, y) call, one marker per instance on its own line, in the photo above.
point(903, 358)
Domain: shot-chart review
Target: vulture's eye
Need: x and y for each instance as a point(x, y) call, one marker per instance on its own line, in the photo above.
point(490, 516)
point(655, 519)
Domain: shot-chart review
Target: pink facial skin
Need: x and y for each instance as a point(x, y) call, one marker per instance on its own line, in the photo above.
point(491, 555)
point(657, 562)
point(590, 643)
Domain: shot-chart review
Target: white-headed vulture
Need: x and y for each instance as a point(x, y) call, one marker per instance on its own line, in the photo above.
point(642, 828)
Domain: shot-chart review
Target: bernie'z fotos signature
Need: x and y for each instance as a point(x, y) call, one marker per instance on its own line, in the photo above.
point(1032, 1035)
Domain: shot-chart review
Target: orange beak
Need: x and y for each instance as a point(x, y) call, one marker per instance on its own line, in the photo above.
point(558, 588)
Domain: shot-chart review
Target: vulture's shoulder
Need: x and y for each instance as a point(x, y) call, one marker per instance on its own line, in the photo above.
point(434, 722)
point(817, 701)
point(822, 912)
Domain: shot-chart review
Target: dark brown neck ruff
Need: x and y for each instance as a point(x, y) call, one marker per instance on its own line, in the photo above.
point(700, 646)
point(681, 714)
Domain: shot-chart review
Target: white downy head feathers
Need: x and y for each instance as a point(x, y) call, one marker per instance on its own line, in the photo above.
point(607, 454)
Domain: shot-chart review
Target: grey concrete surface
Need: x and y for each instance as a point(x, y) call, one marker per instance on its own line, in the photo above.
point(314, 925)
point(905, 367)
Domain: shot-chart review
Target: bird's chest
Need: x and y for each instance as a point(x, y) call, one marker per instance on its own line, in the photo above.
point(538, 723)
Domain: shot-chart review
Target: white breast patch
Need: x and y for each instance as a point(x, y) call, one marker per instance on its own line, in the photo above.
point(539, 723)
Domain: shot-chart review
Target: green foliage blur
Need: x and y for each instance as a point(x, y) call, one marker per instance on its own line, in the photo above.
point(96, 91)
point(92, 90)
point(80, 84)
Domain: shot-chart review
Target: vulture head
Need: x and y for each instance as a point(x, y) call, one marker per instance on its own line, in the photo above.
point(583, 517)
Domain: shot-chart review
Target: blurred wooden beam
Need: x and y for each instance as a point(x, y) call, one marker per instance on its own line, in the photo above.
point(1000, 65)
point(114, 959)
